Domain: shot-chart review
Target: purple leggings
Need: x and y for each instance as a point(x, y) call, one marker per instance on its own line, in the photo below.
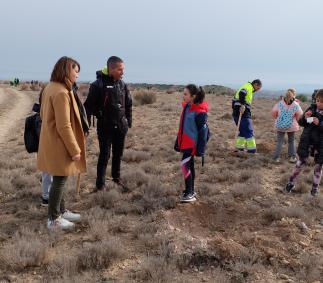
point(316, 175)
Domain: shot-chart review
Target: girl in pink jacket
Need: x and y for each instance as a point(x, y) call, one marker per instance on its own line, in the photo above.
point(286, 112)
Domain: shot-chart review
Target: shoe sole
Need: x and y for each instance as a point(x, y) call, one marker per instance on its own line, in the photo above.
point(44, 205)
point(189, 200)
point(60, 228)
point(72, 220)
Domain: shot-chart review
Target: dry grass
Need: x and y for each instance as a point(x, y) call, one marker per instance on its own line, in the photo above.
point(155, 269)
point(242, 229)
point(21, 252)
point(100, 254)
point(143, 97)
point(25, 86)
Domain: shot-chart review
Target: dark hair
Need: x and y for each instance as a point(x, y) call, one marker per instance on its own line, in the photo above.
point(113, 61)
point(62, 70)
point(256, 82)
point(198, 92)
point(319, 94)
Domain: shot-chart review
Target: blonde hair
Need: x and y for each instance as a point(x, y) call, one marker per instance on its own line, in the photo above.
point(291, 93)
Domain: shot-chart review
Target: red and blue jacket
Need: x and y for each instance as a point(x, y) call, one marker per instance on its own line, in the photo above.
point(193, 133)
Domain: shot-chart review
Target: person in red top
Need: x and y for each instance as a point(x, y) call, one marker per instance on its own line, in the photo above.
point(192, 136)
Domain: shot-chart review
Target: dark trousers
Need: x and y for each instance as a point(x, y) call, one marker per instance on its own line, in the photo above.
point(56, 201)
point(187, 166)
point(109, 137)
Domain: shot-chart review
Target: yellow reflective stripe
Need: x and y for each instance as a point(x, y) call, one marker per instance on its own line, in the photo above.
point(240, 142)
point(251, 143)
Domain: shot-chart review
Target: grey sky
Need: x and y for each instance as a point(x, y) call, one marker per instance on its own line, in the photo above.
point(168, 41)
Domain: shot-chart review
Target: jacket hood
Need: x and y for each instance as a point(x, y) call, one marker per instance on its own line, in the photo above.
point(103, 72)
point(202, 107)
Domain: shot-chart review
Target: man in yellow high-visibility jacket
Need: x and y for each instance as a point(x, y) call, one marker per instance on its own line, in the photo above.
point(241, 104)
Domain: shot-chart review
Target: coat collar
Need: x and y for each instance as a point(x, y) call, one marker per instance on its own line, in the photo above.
point(75, 107)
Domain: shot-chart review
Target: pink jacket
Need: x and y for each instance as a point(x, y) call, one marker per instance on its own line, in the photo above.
point(276, 112)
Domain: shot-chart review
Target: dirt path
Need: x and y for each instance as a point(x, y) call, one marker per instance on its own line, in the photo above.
point(14, 106)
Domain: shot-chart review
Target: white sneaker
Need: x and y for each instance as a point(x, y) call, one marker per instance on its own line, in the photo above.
point(70, 216)
point(59, 223)
point(292, 159)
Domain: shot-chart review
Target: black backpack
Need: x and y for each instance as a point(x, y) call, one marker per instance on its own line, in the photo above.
point(32, 130)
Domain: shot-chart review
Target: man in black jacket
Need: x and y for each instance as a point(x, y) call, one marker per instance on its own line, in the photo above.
point(110, 101)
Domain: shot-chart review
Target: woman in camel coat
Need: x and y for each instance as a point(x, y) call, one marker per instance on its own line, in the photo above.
point(62, 144)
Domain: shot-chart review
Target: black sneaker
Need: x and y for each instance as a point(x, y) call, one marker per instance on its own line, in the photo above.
point(289, 187)
point(118, 182)
point(314, 192)
point(188, 197)
point(44, 202)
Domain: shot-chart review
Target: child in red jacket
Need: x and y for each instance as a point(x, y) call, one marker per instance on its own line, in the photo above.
point(192, 136)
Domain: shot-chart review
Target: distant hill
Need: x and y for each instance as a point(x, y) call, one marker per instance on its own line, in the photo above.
point(212, 89)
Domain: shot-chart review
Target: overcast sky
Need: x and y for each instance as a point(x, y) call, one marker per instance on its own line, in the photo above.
point(167, 41)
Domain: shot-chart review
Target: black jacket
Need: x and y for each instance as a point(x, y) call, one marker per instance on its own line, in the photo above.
point(84, 119)
point(110, 101)
point(312, 137)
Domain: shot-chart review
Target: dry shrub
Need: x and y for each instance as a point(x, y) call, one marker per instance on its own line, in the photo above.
point(107, 199)
point(265, 147)
point(143, 97)
point(135, 178)
point(78, 278)
point(7, 163)
point(302, 188)
point(100, 254)
point(146, 234)
point(277, 213)
point(63, 265)
point(98, 221)
point(245, 190)
point(243, 270)
point(284, 179)
point(223, 174)
point(25, 86)
point(310, 271)
point(150, 167)
point(24, 181)
point(131, 155)
point(101, 222)
point(219, 275)
point(199, 259)
point(208, 190)
point(5, 184)
point(21, 252)
point(245, 175)
point(153, 196)
point(155, 269)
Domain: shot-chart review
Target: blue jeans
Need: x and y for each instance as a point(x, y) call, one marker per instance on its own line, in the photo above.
point(46, 182)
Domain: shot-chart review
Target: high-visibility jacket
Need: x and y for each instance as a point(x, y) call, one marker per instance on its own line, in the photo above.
point(236, 103)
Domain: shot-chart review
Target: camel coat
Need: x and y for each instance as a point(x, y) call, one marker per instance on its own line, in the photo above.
point(61, 135)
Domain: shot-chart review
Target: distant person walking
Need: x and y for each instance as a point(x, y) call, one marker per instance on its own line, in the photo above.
point(62, 144)
point(110, 101)
point(192, 136)
point(241, 106)
point(287, 112)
